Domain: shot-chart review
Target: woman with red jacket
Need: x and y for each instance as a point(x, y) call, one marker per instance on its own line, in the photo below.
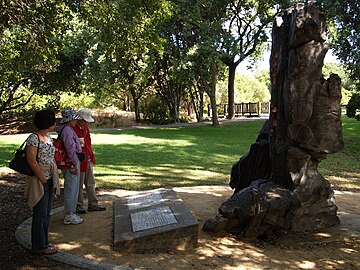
point(86, 167)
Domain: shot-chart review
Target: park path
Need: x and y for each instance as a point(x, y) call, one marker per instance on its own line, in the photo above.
point(221, 121)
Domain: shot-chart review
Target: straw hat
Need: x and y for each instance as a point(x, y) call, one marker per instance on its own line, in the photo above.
point(69, 114)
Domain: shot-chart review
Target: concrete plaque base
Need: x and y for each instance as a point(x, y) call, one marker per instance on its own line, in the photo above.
point(155, 219)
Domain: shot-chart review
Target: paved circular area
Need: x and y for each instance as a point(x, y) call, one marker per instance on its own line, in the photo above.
point(23, 236)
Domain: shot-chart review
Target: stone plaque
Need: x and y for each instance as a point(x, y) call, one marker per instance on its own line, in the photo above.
point(156, 219)
point(152, 218)
point(145, 201)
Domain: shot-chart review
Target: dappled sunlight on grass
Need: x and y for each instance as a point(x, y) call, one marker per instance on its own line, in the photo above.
point(153, 176)
point(192, 155)
point(125, 139)
point(186, 173)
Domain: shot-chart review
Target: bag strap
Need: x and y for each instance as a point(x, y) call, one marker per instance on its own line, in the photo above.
point(37, 151)
point(21, 146)
point(61, 132)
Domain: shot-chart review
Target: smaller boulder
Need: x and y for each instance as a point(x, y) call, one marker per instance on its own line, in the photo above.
point(259, 209)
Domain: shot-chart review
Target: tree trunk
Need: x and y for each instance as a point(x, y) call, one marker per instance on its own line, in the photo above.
point(136, 105)
point(197, 98)
point(231, 91)
point(174, 113)
point(201, 107)
point(215, 119)
point(304, 126)
point(137, 110)
point(172, 92)
point(305, 123)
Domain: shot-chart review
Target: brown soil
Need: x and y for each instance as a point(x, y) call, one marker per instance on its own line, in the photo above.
point(333, 248)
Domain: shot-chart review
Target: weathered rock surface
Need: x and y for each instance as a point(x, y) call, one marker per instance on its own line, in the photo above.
point(259, 209)
point(303, 128)
point(306, 123)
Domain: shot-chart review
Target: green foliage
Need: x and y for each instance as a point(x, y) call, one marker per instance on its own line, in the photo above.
point(157, 112)
point(263, 76)
point(343, 25)
point(28, 51)
point(71, 55)
point(222, 91)
point(353, 106)
point(247, 89)
point(121, 50)
point(125, 38)
point(155, 157)
point(245, 29)
point(77, 101)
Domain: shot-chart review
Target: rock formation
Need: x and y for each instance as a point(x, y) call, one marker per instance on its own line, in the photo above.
point(304, 126)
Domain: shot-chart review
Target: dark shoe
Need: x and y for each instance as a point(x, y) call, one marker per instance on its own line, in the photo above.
point(49, 251)
point(53, 245)
point(80, 211)
point(96, 208)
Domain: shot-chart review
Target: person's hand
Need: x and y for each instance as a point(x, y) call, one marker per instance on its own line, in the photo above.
point(56, 192)
point(74, 171)
point(42, 180)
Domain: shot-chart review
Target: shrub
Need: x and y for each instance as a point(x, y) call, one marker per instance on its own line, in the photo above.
point(353, 106)
point(157, 112)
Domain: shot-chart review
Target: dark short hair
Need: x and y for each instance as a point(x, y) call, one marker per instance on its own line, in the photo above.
point(44, 119)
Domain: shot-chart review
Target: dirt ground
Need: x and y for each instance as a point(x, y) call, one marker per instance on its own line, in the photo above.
point(333, 248)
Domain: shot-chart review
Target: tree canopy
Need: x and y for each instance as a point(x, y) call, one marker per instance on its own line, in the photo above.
point(33, 37)
point(343, 27)
point(122, 51)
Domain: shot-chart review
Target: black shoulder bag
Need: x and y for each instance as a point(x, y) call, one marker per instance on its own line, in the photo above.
point(19, 162)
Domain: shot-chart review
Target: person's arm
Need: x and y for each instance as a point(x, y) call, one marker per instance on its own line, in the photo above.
point(89, 146)
point(31, 153)
point(69, 143)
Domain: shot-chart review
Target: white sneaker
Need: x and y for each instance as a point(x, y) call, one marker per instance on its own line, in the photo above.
point(72, 219)
point(77, 217)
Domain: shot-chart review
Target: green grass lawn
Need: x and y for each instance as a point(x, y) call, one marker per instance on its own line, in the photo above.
point(182, 156)
point(148, 158)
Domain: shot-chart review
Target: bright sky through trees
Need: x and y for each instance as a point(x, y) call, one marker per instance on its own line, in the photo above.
point(264, 63)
